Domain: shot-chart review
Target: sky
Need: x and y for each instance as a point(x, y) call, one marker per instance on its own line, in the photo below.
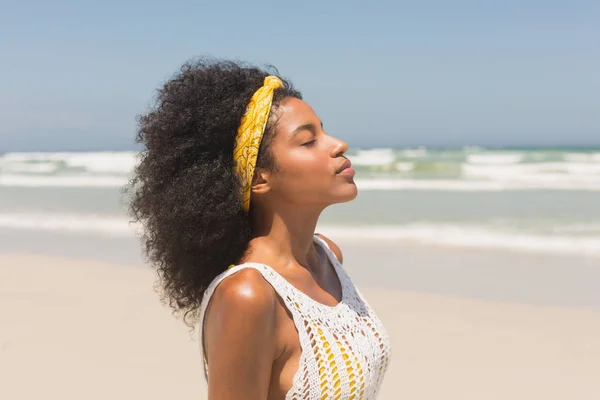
point(74, 74)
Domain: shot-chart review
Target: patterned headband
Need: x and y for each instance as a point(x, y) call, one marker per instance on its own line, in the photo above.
point(250, 133)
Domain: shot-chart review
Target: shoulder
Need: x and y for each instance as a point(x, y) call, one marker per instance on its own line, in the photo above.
point(245, 292)
point(334, 247)
point(240, 336)
point(241, 313)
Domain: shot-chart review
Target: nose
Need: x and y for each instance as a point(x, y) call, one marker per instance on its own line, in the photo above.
point(340, 148)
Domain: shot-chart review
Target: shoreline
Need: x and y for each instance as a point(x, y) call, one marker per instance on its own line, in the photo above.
point(520, 277)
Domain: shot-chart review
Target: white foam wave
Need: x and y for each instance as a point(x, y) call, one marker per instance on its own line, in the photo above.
point(115, 162)
point(539, 175)
point(414, 153)
point(103, 225)
point(62, 181)
point(461, 236)
point(539, 169)
point(470, 237)
point(495, 158)
point(36, 168)
point(487, 171)
point(405, 166)
point(461, 185)
point(374, 157)
point(582, 157)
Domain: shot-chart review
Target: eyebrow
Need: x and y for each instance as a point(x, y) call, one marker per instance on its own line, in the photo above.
point(306, 127)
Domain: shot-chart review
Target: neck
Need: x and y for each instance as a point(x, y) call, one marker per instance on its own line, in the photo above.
point(287, 232)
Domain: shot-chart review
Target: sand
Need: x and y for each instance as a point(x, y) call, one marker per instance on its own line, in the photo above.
point(84, 329)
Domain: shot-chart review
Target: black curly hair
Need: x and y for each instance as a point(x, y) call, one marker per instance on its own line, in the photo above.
point(184, 191)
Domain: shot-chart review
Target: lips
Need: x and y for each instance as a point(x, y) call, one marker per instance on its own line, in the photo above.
point(345, 165)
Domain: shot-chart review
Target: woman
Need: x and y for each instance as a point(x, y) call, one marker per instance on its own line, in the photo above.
point(235, 173)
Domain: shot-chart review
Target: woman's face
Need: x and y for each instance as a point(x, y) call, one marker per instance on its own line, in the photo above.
point(311, 166)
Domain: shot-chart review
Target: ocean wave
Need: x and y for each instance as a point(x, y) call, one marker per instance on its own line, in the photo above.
point(582, 157)
point(108, 162)
point(434, 234)
point(30, 168)
point(63, 181)
point(405, 166)
point(534, 171)
point(374, 158)
point(462, 185)
point(465, 236)
point(111, 226)
point(467, 169)
point(554, 182)
point(413, 153)
point(495, 158)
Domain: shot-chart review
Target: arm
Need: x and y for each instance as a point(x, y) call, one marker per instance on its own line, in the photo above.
point(334, 248)
point(240, 337)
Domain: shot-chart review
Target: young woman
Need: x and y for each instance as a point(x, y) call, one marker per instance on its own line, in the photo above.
point(236, 170)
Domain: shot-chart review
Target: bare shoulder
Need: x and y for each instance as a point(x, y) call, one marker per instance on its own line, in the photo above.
point(334, 247)
point(245, 292)
point(240, 336)
point(242, 311)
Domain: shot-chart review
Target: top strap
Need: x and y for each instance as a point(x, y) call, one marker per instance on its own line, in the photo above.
point(331, 255)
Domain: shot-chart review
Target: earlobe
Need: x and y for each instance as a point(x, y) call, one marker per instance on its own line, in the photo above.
point(260, 182)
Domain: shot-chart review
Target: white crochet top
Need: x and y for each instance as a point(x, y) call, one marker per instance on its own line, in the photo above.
point(345, 348)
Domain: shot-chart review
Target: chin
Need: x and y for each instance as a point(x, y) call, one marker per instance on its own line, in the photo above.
point(348, 193)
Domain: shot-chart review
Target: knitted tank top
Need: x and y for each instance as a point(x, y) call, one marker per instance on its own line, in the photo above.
point(345, 348)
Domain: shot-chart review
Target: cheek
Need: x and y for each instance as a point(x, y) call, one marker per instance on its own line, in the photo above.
point(304, 165)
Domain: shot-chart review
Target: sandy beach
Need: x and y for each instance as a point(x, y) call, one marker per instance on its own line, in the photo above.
point(73, 328)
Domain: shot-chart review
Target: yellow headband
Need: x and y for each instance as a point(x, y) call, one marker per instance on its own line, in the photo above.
point(250, 133)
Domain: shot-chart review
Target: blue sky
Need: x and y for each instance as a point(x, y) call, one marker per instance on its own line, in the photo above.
point(74, 74)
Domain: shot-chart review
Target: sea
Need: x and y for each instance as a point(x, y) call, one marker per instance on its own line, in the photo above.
point(515, 199)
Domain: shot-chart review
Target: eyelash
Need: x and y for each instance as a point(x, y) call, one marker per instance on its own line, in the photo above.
point(308, 144)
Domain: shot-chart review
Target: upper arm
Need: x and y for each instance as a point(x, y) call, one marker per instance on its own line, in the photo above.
point(334, 247)
point(239, 337)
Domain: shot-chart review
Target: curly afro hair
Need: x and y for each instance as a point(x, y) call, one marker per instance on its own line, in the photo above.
point(185, 192)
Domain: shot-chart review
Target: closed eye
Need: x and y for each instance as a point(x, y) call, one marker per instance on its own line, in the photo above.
point(308, 144)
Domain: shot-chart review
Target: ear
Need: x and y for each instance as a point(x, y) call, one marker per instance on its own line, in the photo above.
point(261, 181)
